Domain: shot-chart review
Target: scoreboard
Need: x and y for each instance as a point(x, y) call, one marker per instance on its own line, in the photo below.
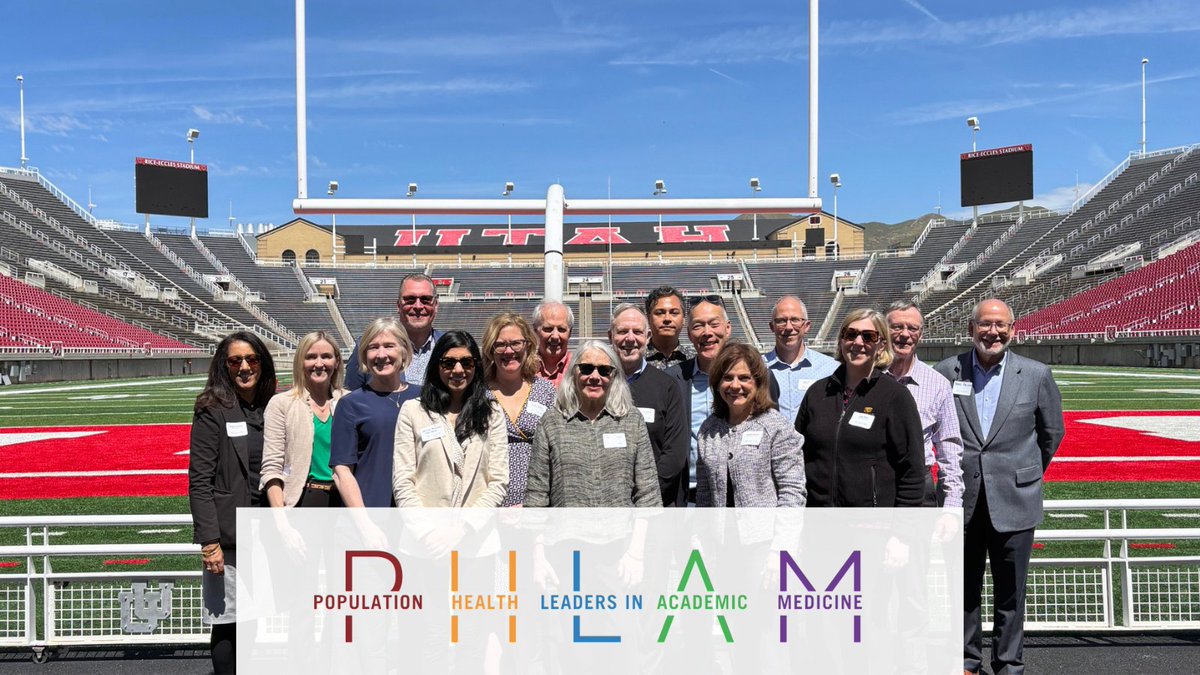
point(997, 175)
point(168, 188)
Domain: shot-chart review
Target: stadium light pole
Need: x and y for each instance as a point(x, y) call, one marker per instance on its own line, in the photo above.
point(412, 191)
point(21, 88)
point(660, 189)
point(192, 135)
point(333, 188)
point(1144, 62)
point(755, 188)
point(508, 190)
point(836, 179)
point(973, 122)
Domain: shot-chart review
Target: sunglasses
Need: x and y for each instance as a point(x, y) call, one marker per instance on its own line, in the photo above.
point(236, 361)
point(413, 299)
point(869, 337)
point(448, 363)
point(586, 369)
point(712, 299)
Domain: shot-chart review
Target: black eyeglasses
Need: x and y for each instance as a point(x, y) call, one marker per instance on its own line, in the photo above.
point(236, 361)
point(711, 299)
point(586, 369)
point(869, 337)
point(413, 299)
point(448, 363)
point(515, 345)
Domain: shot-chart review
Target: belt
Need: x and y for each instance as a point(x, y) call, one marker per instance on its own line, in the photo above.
point(319, 485)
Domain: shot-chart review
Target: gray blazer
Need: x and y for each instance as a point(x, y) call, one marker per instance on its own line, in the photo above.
point(1025, 434)
point(763, 455)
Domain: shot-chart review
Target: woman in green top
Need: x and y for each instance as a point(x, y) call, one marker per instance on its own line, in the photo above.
point(296, 428)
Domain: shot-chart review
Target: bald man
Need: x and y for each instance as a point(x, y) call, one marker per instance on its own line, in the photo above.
point(793, 364)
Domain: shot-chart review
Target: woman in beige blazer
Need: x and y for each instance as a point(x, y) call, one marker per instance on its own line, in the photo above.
point(451, 443)
point(297, 426)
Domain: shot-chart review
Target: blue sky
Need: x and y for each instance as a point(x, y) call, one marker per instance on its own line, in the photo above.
point(461, 97)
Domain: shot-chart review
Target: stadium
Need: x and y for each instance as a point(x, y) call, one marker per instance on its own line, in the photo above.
point(107, 328)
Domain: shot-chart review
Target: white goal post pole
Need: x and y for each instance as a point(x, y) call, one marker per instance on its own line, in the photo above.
point(554, 243)
point(812, 98)
point(301, 107)
point(571, 207)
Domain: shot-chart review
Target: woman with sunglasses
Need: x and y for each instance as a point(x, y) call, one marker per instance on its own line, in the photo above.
point(364, 430)
point(450, 447)
point(224, 465)
point(863, 444)
point(510, 365)
point(298, 428)
point(593, 448)
point(749, 455)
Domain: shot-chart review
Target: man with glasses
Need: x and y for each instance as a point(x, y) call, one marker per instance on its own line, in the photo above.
point(665, 309)
point(552, 324)
point(708, 329)
point(794, 366)
point(657, 398)
point(417, 308)
point(1010, 414)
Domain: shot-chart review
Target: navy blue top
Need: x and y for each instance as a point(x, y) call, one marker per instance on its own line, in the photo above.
point(364, 438)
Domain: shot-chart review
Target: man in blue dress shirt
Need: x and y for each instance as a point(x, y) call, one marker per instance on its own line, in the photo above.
point(793, 364)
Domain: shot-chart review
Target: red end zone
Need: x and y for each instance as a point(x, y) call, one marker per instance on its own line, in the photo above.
point(1128, 446)
point(94, 461)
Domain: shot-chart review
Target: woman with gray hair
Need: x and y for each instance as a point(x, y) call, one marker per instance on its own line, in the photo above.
point(592, 449)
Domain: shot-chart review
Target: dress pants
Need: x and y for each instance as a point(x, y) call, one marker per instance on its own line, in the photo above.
point(1009, 554)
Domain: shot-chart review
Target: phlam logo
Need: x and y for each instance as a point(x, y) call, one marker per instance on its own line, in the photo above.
point(349, 601)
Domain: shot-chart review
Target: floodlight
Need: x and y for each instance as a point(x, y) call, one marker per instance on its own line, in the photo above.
point(333, 187)
point(973, 122)
point(836, 179)
point(193, 134)
point(508, 189)
point(754, 185)
point(412, 189)
point(660, 187)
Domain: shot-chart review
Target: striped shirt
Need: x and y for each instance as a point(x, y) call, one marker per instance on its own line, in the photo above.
point(939, 423)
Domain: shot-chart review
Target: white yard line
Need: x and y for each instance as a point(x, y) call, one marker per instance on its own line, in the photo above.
point(1066, 515)
point(95, 474)
point(1181, 515)
point(110, 385)
point(1149, 376)
point(161, 531)
point(1164, 458)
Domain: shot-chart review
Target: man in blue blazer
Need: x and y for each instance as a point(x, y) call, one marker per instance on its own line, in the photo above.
point(1010, 414)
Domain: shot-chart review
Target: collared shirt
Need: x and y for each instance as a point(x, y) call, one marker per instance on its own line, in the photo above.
point(939, 425)
point(631, 378)
point(662, 361)
point(794, 380)
point(701, 409)
point(555, 374)
point(415, 372)
point(987, 385)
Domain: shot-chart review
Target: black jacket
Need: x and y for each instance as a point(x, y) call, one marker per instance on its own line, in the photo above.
point(847, 465)
point(670, 431)
point(223, 470)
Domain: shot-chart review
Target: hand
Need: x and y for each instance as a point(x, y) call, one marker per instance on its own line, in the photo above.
point(214, 559)
point(948, 528)
point(441, 540)
point(543, 573)
point(895, 553)
point(770, 573)
point(372, 536)
point(293, 541)
point(630, 569)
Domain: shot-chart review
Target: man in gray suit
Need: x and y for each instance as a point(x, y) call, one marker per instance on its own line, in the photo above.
point(1010, 413)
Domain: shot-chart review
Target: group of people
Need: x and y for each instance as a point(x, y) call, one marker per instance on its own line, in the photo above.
point(422, 418)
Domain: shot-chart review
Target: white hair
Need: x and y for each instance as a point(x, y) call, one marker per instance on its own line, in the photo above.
point(625, 307)
point(544, 305)
point(618, 401)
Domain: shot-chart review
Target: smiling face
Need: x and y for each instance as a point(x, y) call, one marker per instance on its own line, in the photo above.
point(417, 306)
point(385, 355)
point(243, 365)
point(457, 369)
point(593, 386)
point(629, 336)
point(905, 326)
point(790, 324)
point(320, 362)
point(738, 388)
point(865, 343)
point(708, 330)
point(553, 333)
point(666, 318)
point(991, 329)
point(508, 352)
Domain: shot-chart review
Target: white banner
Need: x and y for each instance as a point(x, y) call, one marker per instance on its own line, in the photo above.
point(593, 590)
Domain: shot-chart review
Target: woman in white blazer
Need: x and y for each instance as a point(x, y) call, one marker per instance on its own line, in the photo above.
point(297, 426)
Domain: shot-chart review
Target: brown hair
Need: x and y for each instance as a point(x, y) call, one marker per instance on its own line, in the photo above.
point(529, 362)
point(729, 356)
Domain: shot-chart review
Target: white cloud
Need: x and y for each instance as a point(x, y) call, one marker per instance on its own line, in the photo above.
point(922, 9)
point(1059, 198)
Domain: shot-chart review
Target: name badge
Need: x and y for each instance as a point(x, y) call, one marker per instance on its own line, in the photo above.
point(614, 441)
point(536, 409)
point(236, 429)
point(432, 433)
point(963, 388)
point(803, 385)
point(287, 470)
point(752, 438)
point(647, 414)
point(862, 420)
